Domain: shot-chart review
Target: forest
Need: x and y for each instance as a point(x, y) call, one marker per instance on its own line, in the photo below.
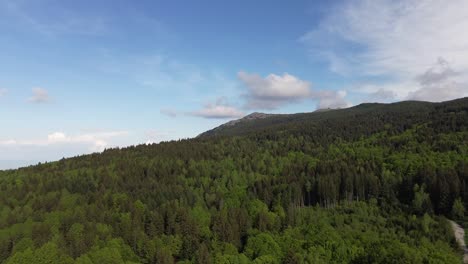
point(375, 183)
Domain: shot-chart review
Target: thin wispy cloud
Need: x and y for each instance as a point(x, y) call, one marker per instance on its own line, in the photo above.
point(169, 112)
point(395, 40)
point(155, 136)
point(381, 95)
point(218, 110)
point(150, 70)
point(94, 141)
point(65, 20)
point(39, 96)
point(164, 73)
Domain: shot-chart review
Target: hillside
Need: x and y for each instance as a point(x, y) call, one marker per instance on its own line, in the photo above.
point(410, 111)
point(369, 184)
point(253, 117)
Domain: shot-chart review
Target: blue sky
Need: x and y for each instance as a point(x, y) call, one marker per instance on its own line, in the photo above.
point(80, 76)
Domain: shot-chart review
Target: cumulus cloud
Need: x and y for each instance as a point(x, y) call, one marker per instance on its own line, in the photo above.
point(275, 86)
point(440, 72)
point(439, 93)
point(332, 99)
point(439, 83)
point(218, 110)
point(39, 96)
point(396, 41)
point(380, 94)
point(274, 91)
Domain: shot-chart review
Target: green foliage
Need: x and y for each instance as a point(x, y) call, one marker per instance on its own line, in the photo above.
point(458, 209)
point(370, 184)
point(421, 201)
point(48, 253)
point(262, 244)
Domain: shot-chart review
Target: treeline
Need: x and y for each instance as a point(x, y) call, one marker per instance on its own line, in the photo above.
point(372, 187)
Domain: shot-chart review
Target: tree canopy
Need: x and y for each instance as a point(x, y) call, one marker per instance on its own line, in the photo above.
point(370, 184)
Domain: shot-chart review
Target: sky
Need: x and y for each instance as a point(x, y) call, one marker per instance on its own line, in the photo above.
point(78, 77)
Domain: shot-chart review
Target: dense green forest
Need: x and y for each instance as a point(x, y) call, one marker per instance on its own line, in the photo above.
point(371, 184)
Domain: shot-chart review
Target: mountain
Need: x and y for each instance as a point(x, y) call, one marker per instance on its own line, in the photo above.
point(325, 110)
point(248, 118)
point(411, 111)
point(374, 183)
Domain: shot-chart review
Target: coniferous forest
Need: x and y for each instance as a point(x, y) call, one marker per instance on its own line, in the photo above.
point(375, 183)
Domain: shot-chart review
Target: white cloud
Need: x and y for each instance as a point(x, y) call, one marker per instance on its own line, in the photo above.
point(382, 95)
point(16, 152)
point(56, 137)
point(218, 110)
point(440, 72)
point(8, 142)
point(40, 95)
point(98, 145)
point(439, 83)
point(274, 91)
point(396, 40)
point(95, 142)
point(156, 136)
point(274, 86)
point(332, 99)
point(439, 93)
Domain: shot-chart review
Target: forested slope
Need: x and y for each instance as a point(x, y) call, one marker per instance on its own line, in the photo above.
point(369, 184)
point(360, 120)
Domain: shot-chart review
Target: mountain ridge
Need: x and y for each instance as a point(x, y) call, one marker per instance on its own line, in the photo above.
point(245, 125)
point(372, 176)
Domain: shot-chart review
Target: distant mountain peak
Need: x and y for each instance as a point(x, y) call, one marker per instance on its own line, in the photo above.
point(256, 115)
point(258, 121)
point(325, 109)
point(252, 116)
point(247, 118)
